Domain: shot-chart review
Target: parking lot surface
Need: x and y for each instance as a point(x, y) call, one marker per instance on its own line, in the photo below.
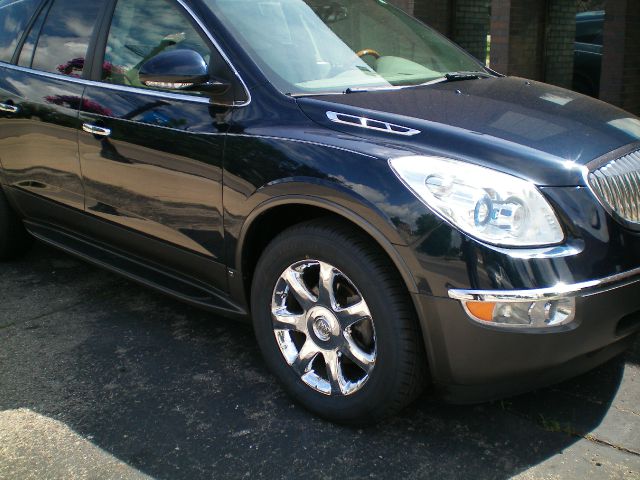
point(101, 378)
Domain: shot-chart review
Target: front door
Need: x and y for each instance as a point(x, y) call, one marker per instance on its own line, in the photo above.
point(152, 159)
point(40, 99)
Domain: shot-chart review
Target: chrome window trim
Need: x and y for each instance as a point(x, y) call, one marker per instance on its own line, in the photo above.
point(109, 86)
point(144, 91)
point(560, 290)
point(362, 122)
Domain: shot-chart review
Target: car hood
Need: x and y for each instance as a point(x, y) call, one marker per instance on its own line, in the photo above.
point(534, 130)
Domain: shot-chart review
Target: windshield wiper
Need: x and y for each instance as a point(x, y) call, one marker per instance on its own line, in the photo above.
point(342, 92)
point(457, 76)
point(371, 89)
point(447, 77)
point(313, 94)
point(461, 76)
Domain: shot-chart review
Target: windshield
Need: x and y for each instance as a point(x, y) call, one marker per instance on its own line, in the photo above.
point(312, 46)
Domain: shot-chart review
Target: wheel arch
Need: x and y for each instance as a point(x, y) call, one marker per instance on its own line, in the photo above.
point(274, 215)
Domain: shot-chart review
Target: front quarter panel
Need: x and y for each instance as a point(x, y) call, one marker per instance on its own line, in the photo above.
point(262, 170)
point(275, 155)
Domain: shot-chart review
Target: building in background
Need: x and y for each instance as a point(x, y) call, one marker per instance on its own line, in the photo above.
point(592, 46)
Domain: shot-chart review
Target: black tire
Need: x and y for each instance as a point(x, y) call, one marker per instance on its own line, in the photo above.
point(14, 239)
point(398, 375)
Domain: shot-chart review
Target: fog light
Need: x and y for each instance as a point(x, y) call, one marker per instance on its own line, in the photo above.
point(544, 313)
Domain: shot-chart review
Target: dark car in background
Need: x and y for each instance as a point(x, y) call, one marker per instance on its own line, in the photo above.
point(389, 212)
point(587, 62)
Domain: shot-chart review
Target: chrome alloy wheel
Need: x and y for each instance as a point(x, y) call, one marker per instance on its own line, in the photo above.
point(323, 327)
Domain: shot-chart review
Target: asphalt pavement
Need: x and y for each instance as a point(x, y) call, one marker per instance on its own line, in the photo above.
point(101, 378)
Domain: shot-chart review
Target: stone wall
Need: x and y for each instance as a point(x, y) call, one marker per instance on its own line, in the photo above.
point(590, 5)
point(534, 39)
point(435, 13)
point(472, 20)
point(466, 22)
point(500, 32)
point(559, 46)
point(517, 37)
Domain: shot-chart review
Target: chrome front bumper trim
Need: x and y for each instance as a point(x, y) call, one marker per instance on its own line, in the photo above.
point(560, 290)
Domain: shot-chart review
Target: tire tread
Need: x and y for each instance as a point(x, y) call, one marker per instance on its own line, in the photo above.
point(14, 239)
point(414, 371)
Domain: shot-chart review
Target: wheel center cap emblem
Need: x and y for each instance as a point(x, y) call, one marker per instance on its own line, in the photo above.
point(322, 328)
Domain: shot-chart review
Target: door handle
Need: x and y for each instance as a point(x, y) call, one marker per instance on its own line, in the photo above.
point(95, 130)
point(5, 107)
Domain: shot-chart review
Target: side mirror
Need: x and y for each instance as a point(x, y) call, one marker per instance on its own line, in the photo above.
point(180, 70)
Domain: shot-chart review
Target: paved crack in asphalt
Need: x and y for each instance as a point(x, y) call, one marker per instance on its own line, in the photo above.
point(595, 439)
point(553, 426)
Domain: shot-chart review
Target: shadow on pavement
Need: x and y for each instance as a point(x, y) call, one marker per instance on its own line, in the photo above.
point(175, 393)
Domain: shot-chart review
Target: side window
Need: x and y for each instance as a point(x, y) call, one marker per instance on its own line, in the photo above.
point(14, 17)
point(64, 41)
point(26, 54)
point(142, 29)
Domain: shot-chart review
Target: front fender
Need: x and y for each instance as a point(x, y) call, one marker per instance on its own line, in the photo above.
point(265, 172)
point(339, 202)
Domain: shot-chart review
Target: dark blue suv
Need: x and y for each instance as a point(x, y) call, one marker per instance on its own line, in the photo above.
point(388, 212)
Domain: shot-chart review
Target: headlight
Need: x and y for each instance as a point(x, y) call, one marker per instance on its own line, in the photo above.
point(544, 313)
point(489, 205)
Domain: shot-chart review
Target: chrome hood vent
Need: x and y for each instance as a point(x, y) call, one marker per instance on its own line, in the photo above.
point(371, 124)
point(617, 185)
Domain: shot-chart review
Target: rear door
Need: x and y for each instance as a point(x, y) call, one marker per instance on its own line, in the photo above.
point(152, 159)
point(39, 129)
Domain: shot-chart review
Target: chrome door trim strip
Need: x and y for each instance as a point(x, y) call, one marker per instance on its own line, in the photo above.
point(144, 91)
point(561, 290)
point(108, 86)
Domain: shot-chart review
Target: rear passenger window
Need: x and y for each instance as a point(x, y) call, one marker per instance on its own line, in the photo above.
point(14, 17)
point(66, 33)
point(26, 54)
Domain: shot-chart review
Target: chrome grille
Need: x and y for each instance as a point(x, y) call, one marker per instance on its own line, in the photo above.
point(617, 185)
